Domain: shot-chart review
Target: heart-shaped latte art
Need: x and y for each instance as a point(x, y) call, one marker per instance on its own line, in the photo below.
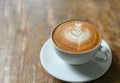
point(76, 34)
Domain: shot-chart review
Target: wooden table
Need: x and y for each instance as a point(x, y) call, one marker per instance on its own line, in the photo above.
point(25, 25)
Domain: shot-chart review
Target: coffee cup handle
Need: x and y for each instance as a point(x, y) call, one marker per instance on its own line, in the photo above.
point(103, 52)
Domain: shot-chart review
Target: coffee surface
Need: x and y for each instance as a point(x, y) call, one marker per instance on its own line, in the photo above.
point(76, 36)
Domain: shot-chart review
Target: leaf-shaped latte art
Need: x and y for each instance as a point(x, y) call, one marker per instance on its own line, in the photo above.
point(76, 33)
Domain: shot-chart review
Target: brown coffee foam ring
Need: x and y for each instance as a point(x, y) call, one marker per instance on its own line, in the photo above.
point(67, 45)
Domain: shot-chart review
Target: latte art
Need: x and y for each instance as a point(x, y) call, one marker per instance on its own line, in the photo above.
point(76, 36)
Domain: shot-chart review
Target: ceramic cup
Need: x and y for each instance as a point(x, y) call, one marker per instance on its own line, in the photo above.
point(78, 58)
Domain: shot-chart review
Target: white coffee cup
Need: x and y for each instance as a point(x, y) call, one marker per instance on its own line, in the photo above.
point(78, 58)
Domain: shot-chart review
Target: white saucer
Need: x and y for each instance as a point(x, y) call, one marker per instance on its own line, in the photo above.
point(69, 73)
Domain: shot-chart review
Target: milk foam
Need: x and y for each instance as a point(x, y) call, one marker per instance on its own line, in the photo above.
point(76, 34)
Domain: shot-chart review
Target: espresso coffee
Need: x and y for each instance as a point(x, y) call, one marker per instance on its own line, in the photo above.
point(76, 36)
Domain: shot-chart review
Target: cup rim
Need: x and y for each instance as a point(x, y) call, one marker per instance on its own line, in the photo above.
point(65, 51)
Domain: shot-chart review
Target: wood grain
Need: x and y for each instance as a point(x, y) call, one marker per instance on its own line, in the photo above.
point(25, 25)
